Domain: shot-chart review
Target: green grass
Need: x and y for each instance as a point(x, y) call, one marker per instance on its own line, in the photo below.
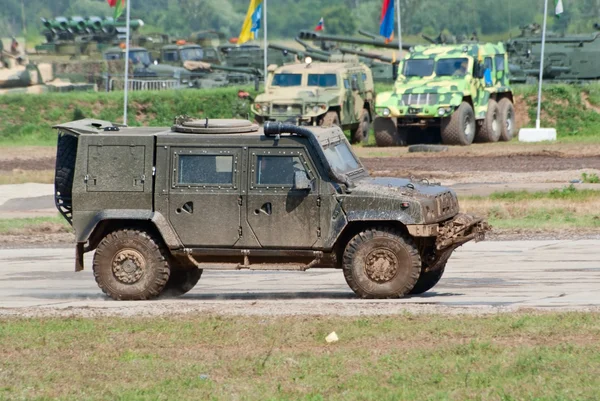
point(567, 193)
point(550, 218)
point(408, 357)
point(36, 224)
point(591, 178)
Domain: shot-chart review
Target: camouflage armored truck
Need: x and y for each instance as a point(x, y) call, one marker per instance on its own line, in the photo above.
point(462, 90)
point(159, 205)
point(340, 92)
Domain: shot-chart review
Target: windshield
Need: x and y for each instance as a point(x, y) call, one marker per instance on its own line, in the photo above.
point(418, 67)
point(191, 54)
point(340, 158)
point(140, 57)
point(451, 67)
point(287, 80)
point(322, 80)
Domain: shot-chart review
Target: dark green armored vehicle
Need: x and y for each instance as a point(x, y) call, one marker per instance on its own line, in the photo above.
point(159, 205)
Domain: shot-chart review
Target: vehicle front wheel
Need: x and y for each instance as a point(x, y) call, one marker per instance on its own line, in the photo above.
point(361, 133)
point(330, 119)
point(459, 128)
point(131, 264)
point(386, 133)
point(381, 263)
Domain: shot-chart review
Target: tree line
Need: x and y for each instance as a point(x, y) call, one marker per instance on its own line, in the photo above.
point(287, 17)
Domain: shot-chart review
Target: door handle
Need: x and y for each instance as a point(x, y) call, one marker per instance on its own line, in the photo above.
point(187, 207)
point(266, 208)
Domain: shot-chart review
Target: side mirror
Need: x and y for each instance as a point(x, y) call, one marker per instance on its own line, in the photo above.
point(301, 181)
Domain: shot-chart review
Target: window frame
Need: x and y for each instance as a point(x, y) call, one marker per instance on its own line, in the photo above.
point(253, 185)
point(236, 153)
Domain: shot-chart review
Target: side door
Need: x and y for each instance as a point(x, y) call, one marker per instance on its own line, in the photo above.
point(205, 195)
point(278, 214)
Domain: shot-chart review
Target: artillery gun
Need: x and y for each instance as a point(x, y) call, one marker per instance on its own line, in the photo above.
point(567, 58)
point(252, 55)
point(301, 54)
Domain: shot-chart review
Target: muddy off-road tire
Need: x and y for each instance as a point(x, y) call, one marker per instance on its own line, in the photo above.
point(459, 128)
point(181, 280)
point(490, 128)
point(330, 119)
point(381, 263)
point(131, 264)
point(66, 153)
point(361, 133)
point(427, 280)
point(386, 133)
point(507, 119)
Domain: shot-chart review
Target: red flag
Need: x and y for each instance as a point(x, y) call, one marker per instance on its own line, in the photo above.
point(119, 6)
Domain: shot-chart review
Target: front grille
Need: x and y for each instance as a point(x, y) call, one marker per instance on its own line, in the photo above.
point(418, 99)
point(295, 109)
point(447, 204)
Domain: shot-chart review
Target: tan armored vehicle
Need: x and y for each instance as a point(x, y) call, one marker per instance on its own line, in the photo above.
point(160, 205)
point(340, 92)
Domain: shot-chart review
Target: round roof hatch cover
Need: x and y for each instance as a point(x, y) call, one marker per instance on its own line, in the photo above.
point(188, 125)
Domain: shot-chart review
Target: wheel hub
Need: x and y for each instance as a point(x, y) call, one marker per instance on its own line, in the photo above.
point(469, 128)
point(128, 266)
point(509, 121)
point(381, 265)
point(495, 124)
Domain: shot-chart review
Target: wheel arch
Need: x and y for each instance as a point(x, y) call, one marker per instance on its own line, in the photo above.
point(105, 222)
point(355, 227)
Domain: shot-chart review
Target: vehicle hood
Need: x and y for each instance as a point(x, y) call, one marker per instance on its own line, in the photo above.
point(399, 199)
point(296, 95)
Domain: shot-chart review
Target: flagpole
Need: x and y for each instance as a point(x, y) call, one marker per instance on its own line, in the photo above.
point(539, 104)
point(399, 28)
point(126, 90)
point(265, 44)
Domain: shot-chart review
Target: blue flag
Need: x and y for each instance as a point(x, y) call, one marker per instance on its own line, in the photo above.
point(386, 25)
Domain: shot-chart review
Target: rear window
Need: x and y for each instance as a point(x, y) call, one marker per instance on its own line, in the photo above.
point(287, 80)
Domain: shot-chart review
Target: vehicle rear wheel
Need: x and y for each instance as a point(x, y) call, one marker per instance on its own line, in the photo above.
point(386, 133)
point(131, 264)
point(330, 119)
point(381, 263)
point(361, 133)
point(489, 130)
point(459, 128)
point(427, 280)
point(181, 280)
point(507, 119)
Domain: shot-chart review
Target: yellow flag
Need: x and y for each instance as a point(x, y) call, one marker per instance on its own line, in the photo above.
point(252, 22)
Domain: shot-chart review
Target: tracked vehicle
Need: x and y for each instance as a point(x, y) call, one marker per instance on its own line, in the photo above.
point(159, 205)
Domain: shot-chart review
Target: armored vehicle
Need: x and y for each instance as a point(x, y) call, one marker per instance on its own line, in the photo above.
point(159, 205)
point(462, 90)
point(339, 92)
point(81, 37)
point(252, 56)
point(569, 58)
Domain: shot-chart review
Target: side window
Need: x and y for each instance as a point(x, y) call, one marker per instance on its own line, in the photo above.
point(208, 170)
point(499, 59)
point(278, 170)
point(170, 56)
point(487, 63)
point(346, 83)
point(364, 77)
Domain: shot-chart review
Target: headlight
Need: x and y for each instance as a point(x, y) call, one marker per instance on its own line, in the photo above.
point(441, 111)
point(262, 107)
point(386, 112)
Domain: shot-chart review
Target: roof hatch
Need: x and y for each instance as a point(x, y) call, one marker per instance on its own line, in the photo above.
point(188, 125)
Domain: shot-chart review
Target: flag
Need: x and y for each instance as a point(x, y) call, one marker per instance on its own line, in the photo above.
point(558, 10)
point(386, 25)
point(119, 6)
point(321, 25)
point(252, 22)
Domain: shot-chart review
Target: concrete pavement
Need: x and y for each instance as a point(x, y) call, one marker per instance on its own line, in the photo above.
point(480, 278)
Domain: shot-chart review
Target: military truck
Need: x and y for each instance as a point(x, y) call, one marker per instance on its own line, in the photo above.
point(461, 90)
point(159, 205)
point(340, 92)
